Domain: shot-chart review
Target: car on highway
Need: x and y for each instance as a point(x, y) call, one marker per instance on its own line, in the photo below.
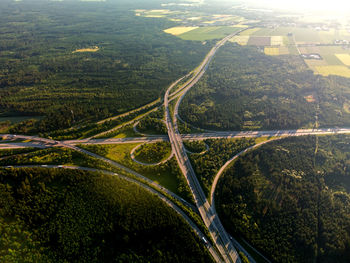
point(205, 241)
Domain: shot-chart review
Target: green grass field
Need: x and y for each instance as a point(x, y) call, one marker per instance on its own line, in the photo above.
point(209, 33)
point(153, 152)
point(127, 131)
point(328, 54)
point(301, 34)
point(120, 153)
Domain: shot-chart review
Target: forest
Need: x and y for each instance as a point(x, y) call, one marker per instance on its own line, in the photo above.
point(290, 199)
point(43, 75)
point(56, 215)
point(220, 151)
point(244, 89)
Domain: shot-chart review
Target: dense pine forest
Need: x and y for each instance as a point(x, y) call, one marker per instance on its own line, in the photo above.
point(64, 63)
point(56, 215)
point(290, 199)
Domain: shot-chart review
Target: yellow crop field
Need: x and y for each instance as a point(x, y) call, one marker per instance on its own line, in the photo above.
point(94, 49)
point(159, 11)
point(241, 40)
point(344, 58)
point(333, 70)
point(277, 41)
point(241, 26)
point(272, 51)
point(178, 30)
point(154, 16)
point(249, 32)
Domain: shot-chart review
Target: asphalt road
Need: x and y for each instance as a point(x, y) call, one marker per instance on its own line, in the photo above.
point(210, 218)
point(207, 211)
point(157, 138)
point(53, 143)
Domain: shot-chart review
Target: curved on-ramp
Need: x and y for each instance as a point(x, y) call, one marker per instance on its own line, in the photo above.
point(132, 156)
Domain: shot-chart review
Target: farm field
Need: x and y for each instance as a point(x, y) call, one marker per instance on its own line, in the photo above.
point(259, 41)
point(223, 18)
point(156, 13)
point(302, 35)
point(342, 71)
point(178, 30)
point(335, 59)
point(241, 40)
point(277, 41)
point(272, 51)
point(345, 58)
point(209, 33)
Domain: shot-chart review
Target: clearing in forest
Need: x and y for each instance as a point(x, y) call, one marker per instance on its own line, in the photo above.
point(310, 98)
point(93, 49)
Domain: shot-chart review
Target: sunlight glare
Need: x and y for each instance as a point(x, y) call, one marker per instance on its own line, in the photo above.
point(310, 5)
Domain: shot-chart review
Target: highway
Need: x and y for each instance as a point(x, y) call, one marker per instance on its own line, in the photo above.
point(224, 244)
point(123, 124)
point(157, 138)
point(194, 227)
point(217, 135)
point(210, 218)
point(53, 143)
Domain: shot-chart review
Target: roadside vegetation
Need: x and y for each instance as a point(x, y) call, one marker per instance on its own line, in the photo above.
point(290, 199)
point(195, 146)
point(54, 156)
point(126, 131)
point(153, 152)
point(93, 129)
point(52, 215)
point(9, 152)
point(220, 151)
point(167, 174)
point(152, 126)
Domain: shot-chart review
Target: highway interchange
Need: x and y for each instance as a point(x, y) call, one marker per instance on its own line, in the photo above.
point(224, 244)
